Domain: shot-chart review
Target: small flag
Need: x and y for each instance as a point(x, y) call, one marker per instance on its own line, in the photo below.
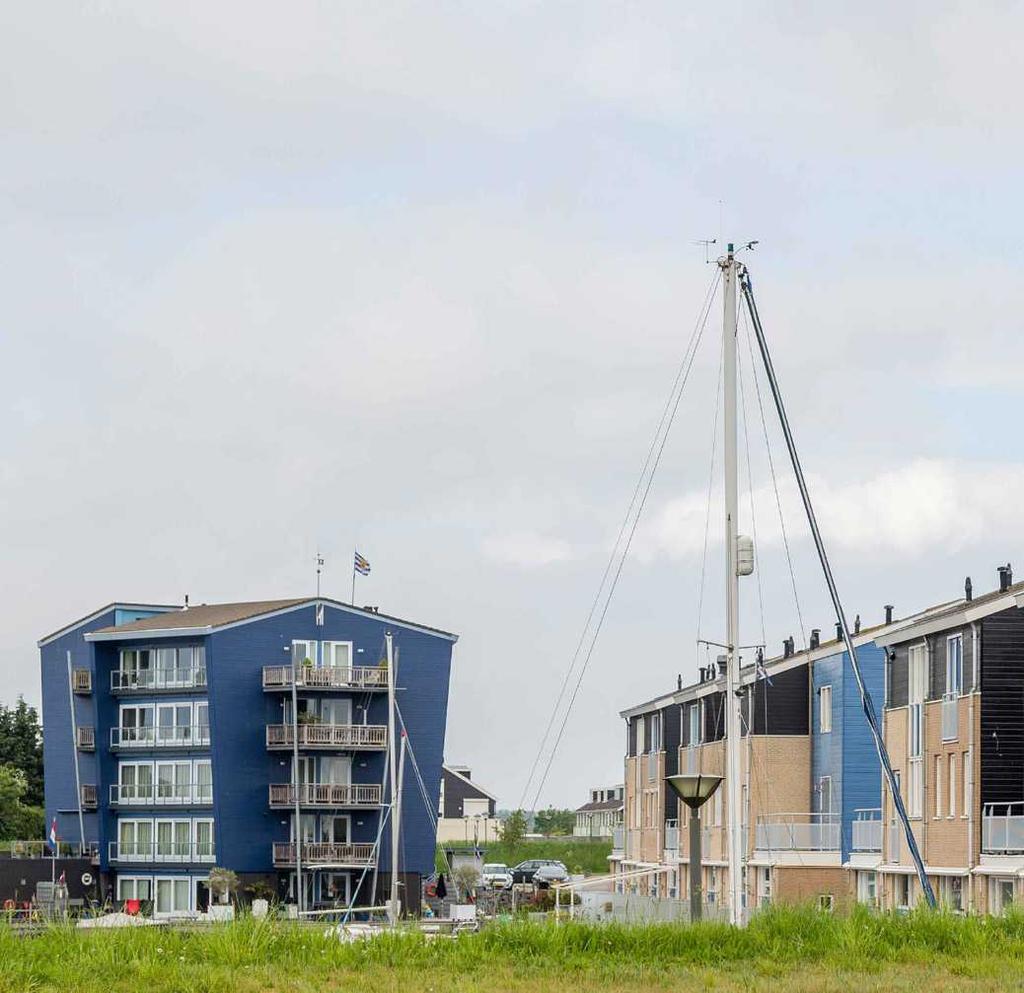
point(62, 881)
point(320, 616)
point(53, 833)
point(362, 566)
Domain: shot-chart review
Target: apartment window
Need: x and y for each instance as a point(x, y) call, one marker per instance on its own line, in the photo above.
point(1000, 894)
point(825, 709)
point(134, 888)
point(938, 785)
point(901, 897)
point(965, 779)
point(764, 886)
point(953, 758)
point(338, 654)
point(655, 742)
point(694, 724)
point(135, 780)
point(917, 680)
point(954, 665)
point(174, 722)
point(173, 896)
point(204, 838)
point(203, 780)
point(134, 839)
point(867, 887)
point(173, 781)
point(173, 840)
point(137, 723)
point(711, 890)
point(303, 650)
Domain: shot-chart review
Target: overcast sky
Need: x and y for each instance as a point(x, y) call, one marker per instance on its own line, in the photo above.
point(419, 276)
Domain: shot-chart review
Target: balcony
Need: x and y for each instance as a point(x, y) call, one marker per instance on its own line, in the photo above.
point(867, 829)
point(156, 852)
point(88, 796)
point(798, 832)
point(350, 737)
point(161, 795)
point(671, 839)
point(361, 678)
point(282, 795)
point(159, 680)
point(1002, 828)
point(193, 736)
point(325, 853)
point(36, 849)
point(950, 717)
point(85, 738)
point(619, 840)
point(895, 841)
point(81, 681)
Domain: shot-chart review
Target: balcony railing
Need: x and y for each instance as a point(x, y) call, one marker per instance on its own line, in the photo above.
point(348, 736)
point(158, 679)
point(1002, 828)
point(329, 677)
point(161, 794)
point(867, 829)
point(184, 852)
point(950, 717)
point(89, 796)
point(81, 680)
point(36, 849)
point(325, 853)
point(325, 795)
point(193, 736)
point(85, 737)
point(798, 832)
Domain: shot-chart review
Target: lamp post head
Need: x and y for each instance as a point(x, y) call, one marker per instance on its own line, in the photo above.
point(694, 790)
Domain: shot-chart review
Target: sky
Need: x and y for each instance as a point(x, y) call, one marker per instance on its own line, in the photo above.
point(417, 278)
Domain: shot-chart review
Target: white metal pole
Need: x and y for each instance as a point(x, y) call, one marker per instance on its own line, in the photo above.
point(732, 669)
point(393, 777)
point(74, 751)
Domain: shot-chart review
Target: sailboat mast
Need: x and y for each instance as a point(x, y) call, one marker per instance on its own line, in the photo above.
point(734, 795)
point(393, 779)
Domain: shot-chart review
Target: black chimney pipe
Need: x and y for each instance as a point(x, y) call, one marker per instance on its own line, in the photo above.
point(856, 624)
point(815, 637)
point(787, 647)
point(888, 613)
point(1005, 577)
point(679, 681)
point(968, 590)
point(839, 631)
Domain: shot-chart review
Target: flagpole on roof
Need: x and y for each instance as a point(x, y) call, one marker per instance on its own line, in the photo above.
point(354, 554)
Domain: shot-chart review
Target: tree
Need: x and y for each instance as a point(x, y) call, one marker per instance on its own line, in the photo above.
point(21, 747)
point(18, 820)
point(513, 831)
point(552, 821)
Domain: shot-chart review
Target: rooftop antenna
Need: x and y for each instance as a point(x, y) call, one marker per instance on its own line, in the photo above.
point(707, 243)
point(319, 566)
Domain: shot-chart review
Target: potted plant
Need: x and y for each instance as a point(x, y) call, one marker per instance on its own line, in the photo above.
point(223, 886)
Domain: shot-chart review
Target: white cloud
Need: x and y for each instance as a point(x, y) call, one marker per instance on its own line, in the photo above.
point(526, 549)
point(912, 509)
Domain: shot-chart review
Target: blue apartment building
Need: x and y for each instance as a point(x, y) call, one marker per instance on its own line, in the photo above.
point(184, 737)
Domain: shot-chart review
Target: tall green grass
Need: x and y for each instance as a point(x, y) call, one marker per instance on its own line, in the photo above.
point(252, 954)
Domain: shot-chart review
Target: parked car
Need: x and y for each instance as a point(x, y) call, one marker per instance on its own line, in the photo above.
point(524, 872)
point(553, 872)
point(497, 876)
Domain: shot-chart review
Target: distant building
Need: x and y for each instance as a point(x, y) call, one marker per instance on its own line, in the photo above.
point(465, 809)
point(601, 814)
point(183, 746)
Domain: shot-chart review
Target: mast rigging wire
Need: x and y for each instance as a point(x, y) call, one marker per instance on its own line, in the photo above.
point(684, 366)
point(868, 706)
point(682, 377)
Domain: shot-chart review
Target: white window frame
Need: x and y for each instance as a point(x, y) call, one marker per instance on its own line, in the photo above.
point(966, 784)
point(180, 793)
point(178, 838)
point(695, 724)
point(823, 783)
point(939, 762)
point(204, 855)
point(175, 911)
point(133, 737)
point(123, 823)
point(954, 666)
point(328, 650)
point(825, 709)
point(123, 884)
point(917, 688)
point(197, 797)
point(952, 759)
point(305, 651)
point(122, 785)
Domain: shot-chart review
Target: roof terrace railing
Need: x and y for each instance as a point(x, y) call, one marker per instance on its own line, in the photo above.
point(867, 829)
point(325, 853)
point(805, 832)
point(340, 736)
point(158, 679)
point(279, 677)
point(1002, 828)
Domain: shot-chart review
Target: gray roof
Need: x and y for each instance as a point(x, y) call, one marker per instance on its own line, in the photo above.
point(597, 805)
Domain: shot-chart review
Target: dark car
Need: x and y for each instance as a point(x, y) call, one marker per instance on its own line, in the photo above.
point(523, 873)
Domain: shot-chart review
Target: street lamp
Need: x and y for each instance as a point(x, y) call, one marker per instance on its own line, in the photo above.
point(694, 791)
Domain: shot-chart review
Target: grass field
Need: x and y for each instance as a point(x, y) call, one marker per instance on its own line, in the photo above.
point(792, 951)
point(578, 854)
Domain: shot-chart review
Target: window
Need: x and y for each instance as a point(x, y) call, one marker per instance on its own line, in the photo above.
point(173, 896)
point(134, 888)
point(202, 722)
point(965, 779)
point(334, 829)
point(694, 724)
point(173, 840)
point(204, 838)
point(917, 689)
point(303, 650)
point(764, 886)
point(203, 780)
point(825, 709)
point(338, 654)
point(134, 839)
point(1000, 894)
point(135, 782)
point(335, 711)
point(952, 760)
point(867, 888)
point(136, 724)
point(334, 887)
point(824, 792)
point(174, 723)
point(938, 785)
point(954, 665)
point(825, 902)
point(655, 743)
point(711, 890)
point(173, 781)
point(902, 895)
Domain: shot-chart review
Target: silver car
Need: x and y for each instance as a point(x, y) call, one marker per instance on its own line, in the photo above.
point(552, 872)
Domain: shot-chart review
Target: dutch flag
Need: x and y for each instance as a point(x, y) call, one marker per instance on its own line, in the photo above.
point(53, 834)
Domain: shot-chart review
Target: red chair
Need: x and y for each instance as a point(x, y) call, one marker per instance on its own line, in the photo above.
point(132, 906)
